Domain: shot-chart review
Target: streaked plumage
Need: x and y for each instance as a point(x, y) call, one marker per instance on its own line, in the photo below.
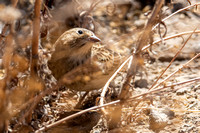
point(81, 64)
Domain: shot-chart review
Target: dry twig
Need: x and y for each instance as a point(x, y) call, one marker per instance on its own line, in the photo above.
point(36, 36)
point(169, 37)
point(143, 39)
point(75, 115)
point(184, 65)
point(180, 10)
point(104, 90)
point(162, 88)
point(178, 52)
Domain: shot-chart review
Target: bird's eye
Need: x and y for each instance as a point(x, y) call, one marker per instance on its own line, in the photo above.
point(80, 32)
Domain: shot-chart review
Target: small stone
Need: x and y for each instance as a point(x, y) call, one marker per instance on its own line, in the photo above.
point(142, 83)
point(159, 118)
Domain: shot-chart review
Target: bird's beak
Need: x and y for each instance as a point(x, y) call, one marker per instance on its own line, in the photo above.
point(94, 38)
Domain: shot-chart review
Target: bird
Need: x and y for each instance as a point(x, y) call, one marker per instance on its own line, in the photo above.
point(80, 62)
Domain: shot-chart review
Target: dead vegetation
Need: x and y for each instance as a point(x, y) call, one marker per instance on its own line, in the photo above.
point(156, 89)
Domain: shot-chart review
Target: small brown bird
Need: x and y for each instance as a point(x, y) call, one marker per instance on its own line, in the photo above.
point(80, 62)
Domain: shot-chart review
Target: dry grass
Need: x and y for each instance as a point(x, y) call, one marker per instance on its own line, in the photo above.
point(31, 100)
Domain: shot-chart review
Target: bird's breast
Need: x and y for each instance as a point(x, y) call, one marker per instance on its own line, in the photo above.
point(64, 65)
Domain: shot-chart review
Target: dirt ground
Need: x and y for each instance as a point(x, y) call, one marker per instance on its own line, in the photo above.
point(174, 109)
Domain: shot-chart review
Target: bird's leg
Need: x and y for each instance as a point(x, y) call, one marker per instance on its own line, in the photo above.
point(79, 104)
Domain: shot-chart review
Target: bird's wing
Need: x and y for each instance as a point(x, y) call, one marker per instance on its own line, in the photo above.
point(94, 73)
point(106, 59)
point(80, 76)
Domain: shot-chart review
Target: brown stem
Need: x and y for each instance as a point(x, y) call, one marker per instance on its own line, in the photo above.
point(14, 3)
point(36, 35)
point(111, 103)
point(104, 90)
point(74, 115)
point(172, 74)
point(34, 102)
point(169, 37)
point(180, 10)
point(178, 52)
point(143, 40)
point(162, 88)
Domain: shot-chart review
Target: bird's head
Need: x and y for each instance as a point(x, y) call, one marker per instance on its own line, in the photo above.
point(74, 43)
